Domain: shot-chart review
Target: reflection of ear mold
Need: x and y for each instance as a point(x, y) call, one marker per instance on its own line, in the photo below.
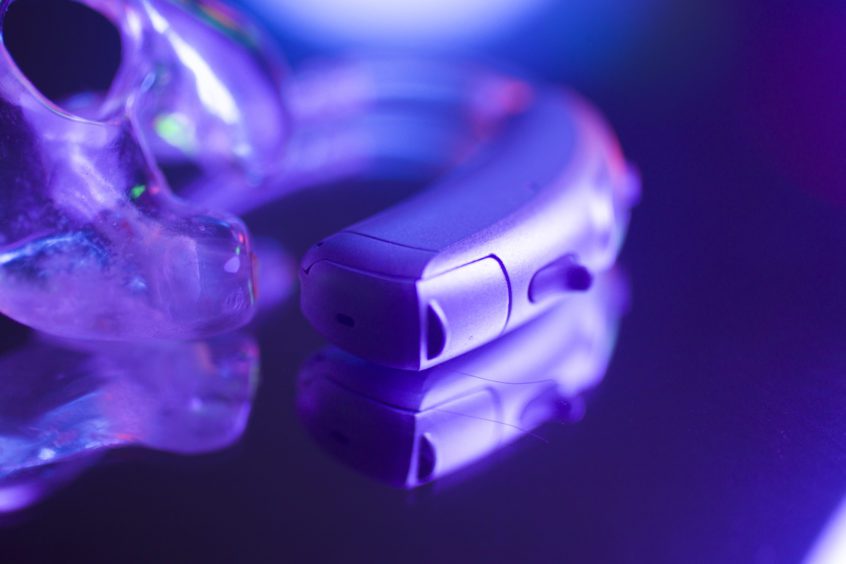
point(92, 244)
point(63, 403)
point(531, 218)
point(407, 428)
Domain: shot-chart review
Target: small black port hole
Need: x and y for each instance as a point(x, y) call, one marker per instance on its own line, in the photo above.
point(345, 320)
point(579, 278)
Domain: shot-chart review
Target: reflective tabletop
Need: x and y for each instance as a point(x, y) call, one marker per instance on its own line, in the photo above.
point(693, 412)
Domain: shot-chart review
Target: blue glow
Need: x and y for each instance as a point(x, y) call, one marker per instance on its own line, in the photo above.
point(376, 22)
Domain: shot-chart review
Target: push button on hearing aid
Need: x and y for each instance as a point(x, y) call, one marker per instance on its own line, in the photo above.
point(563, 275)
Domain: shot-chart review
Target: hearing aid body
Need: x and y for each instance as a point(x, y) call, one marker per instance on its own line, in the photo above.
point(528, 220)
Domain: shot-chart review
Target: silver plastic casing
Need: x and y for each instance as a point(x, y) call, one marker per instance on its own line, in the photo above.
point(526, 222)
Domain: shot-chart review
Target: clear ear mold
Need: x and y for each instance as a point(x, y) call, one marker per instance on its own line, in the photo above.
point(92, 242)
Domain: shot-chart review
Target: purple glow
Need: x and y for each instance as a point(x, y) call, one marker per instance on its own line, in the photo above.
point(533, 205)
point(787, 108)
point(277, 274)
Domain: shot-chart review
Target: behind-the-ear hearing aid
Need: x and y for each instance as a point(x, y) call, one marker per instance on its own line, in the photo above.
point(529, 219)
point(534, 201)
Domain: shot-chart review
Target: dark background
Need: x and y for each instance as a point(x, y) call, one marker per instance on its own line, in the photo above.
point(718, 434)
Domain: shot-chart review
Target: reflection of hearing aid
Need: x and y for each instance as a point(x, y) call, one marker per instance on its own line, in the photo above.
point(407, 428)
point(531, 218)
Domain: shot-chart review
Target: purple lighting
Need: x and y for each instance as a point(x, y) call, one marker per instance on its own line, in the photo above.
point(451, 299)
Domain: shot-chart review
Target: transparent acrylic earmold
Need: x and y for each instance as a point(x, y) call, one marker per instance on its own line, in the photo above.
point(92, 242)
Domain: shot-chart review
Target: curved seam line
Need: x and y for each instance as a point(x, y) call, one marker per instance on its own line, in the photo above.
point(389, 242)
point(510, 291)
